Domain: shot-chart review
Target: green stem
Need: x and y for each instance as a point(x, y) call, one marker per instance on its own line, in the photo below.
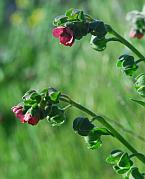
point(126, 43)
point(104, 123)
point(138, 61)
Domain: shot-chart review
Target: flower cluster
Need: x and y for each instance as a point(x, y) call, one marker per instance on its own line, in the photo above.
point(36, 106)
point(74, 25)
point(137, 21)
point(122, 164)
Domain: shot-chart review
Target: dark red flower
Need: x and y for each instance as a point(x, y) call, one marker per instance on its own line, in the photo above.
point(18, 110)
point(31, 119)
point(24, 118)
point(135, 34)
point(65, 35)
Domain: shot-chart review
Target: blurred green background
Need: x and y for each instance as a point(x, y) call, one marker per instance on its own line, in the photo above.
point(30, 58)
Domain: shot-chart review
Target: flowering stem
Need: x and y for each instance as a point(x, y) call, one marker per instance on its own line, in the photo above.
point(103, 121)
point(126, 43)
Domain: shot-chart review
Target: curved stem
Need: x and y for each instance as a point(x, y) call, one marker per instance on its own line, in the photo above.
point(103, 121)
point(126, 43)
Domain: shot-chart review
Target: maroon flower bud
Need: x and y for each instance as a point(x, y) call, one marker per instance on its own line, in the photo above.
point(18, 110)
point(31, 119)
point(65, 35)
point(136, 34)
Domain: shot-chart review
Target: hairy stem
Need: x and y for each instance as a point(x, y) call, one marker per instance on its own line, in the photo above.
point(126, 43)
point(103, 121)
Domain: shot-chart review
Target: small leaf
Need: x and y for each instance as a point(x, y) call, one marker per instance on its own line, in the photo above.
point(28, 94)
point(114, 157)
point(102, 131)
point(60, 20)
point(81, 16)
point(69, 12)
point(54, 94)
point(30, 102)
point(119, 63)
point(93, 144)
point(119, 171)
point(136, 174)
point(125, 162)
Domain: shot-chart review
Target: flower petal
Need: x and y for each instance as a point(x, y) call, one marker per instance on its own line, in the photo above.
point(56, 32)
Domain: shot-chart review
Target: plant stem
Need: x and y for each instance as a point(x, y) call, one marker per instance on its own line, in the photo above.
point(126, 43)
point(102, 120)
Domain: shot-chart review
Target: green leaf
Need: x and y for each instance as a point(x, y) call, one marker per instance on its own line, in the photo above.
point(140, 80)
point(30, 102)
point(93, 144)
point(54, 94)
point(102, 131)
point(56, 116)
point(114, 157)
point(125, 162)
point(60, 20)
point(119, 171)
point(142, 103)
point(141, 91)
point(69, 12)
point(81, 16)
point(119, 63)
point(57, 120)
point(28, 94)
point(136, 174)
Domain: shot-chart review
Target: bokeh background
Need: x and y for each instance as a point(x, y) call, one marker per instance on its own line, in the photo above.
point(30, 58)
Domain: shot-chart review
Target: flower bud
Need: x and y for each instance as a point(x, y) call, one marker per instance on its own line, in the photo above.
point(82, 125)
point(97, 43)
point(127, 63)
point(65, 35)
point(136, 34)
point(97, 28)
point(79, 29)
point(18, 110)
point(30, 119)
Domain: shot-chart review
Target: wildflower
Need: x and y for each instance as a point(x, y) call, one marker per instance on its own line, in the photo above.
point(136, 34)
point(31, 119)
point(18, 110)
point(65, 35)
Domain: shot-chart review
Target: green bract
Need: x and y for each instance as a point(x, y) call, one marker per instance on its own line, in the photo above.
point(127, 64)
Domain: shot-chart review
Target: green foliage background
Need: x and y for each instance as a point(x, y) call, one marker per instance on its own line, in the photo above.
point(31, 58)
